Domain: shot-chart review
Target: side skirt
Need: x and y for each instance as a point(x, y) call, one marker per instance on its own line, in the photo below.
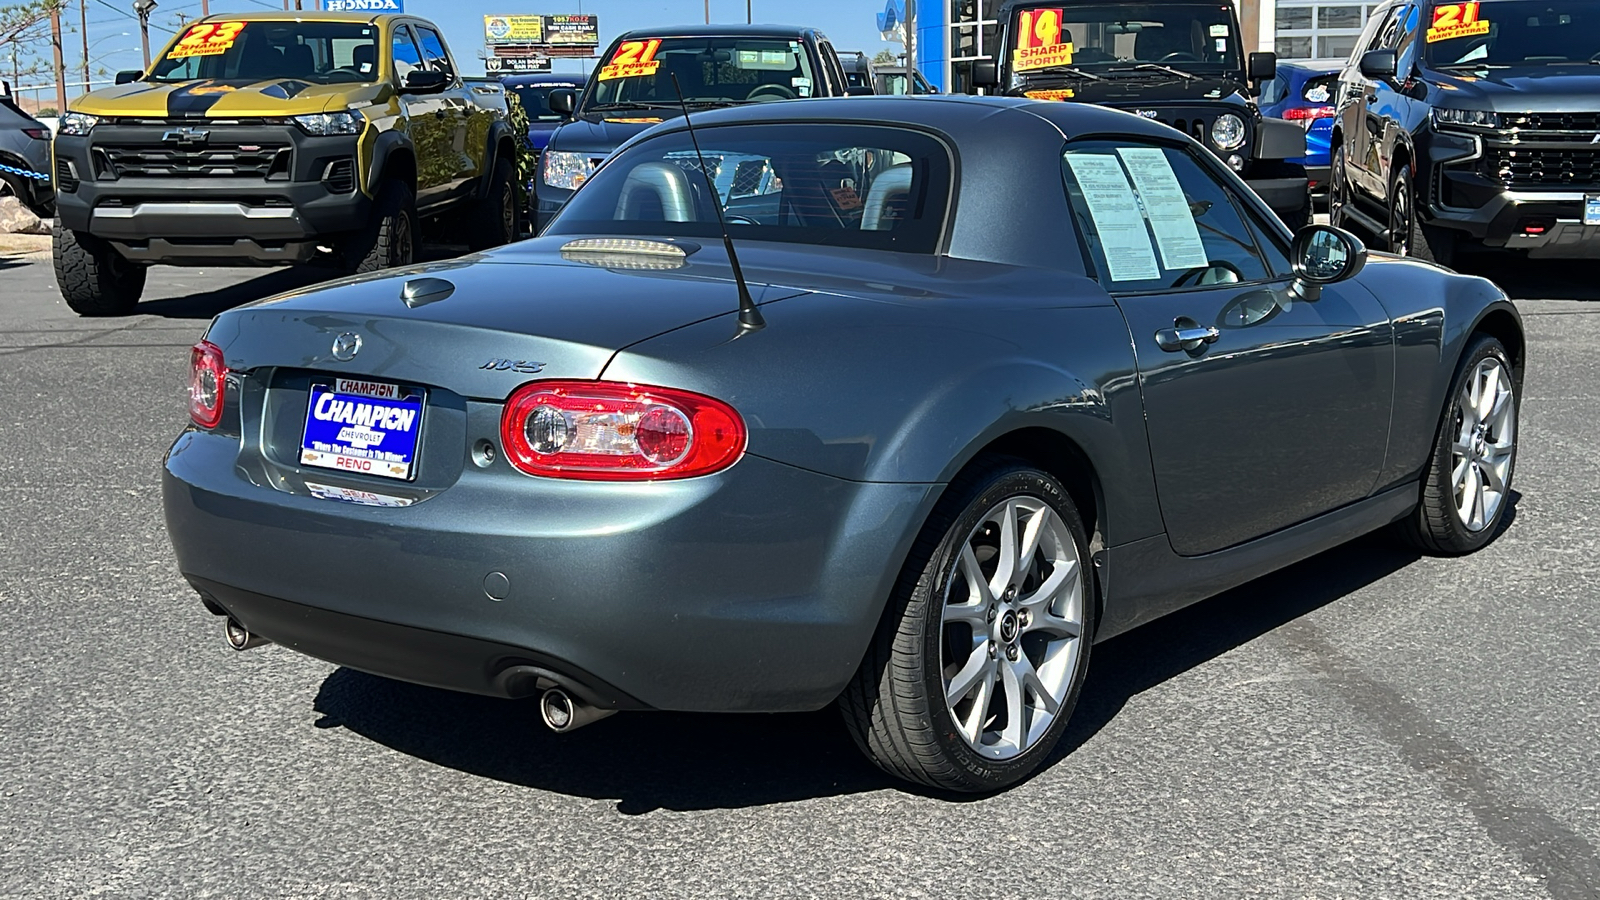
point(1145, 579)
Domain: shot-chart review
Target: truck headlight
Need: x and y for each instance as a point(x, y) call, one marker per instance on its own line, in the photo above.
point(76, 123)
point(1227, 132)
point(1468, 118)
point(323, 124)
point(566, 170)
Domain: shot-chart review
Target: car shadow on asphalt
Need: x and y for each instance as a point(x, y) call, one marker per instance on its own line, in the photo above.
point(205, 304)
point(1537, 279)
point(685, 762)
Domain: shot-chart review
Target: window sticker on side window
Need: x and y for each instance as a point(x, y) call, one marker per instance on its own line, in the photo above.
point(1123, 238)
point(1165, 207)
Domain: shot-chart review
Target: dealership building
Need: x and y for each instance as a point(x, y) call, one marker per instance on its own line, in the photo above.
point(945, 37)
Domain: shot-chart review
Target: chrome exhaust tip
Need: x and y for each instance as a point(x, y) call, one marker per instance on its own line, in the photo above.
point(240, 638)
point(562, 712)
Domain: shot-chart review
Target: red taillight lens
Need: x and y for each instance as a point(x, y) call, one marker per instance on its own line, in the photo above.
point(38, 134)
point(208, 380)
point(1308, 112)
point(610, 431)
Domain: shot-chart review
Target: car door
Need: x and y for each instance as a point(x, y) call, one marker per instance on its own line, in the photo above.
point(1268, 408)
point(456, 110)
point(1352, 101)
point(430, 135)
point(1378, 106)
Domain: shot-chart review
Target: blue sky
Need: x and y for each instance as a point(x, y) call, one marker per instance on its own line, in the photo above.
point(849, 23)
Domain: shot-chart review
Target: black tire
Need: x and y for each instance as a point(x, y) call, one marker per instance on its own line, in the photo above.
point(1338, 189)
point(494, 220)
point(1435, 527)
point(895, 706)
point(391, 239)
point(1408, 236)
point(93, 277)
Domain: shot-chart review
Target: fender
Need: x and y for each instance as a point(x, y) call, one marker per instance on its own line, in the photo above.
point(499, 130)
point(387, 143)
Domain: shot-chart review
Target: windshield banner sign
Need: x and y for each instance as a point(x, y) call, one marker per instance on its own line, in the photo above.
point(1039, 41)
point(1456, 20)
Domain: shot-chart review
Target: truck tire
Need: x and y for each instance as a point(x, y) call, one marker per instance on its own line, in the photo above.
point(93, 277)
point(493, 220)
point(391, 238)
point(1407, 235)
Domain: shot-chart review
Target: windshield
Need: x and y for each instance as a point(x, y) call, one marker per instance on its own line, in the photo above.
point(711, 71)
point(1513, 33)
point(843, 185)
point(1055, 40)
point(536, 100)
point(320, 52)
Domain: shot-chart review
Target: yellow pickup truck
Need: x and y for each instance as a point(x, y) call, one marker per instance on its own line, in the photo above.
point(275, 139)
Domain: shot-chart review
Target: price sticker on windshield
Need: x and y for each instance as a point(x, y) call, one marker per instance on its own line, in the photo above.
point(1055, 96)
point(1040, 43)
point(206, 39)
point(633, 59)
point(1456, 20)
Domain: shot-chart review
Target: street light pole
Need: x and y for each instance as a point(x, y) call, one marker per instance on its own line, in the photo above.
point(83, 26)
point(143, 8)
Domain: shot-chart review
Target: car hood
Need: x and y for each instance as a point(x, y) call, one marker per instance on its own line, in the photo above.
point(1521, 89)
point(539, 133)
point(1129, 92)
point(227, 98)
point(598, 137)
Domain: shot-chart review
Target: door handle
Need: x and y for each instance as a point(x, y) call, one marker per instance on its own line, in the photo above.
point(1186, 334)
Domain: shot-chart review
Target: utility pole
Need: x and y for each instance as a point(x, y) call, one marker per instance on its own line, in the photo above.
point(708, 12)
point(746, 11)
point(83, 26)
point(205, 8)
point(61, 69)
point(143, 8)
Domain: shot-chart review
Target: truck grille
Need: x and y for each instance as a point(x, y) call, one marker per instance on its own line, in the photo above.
point(213, 160)
point(1523, 166)
point(1552, 126)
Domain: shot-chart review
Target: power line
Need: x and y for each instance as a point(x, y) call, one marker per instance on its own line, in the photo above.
point(129, 15)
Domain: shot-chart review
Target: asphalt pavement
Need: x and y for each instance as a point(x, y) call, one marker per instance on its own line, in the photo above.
point(1365, 724)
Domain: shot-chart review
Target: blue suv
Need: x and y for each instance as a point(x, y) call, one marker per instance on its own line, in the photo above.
point(1305, 92)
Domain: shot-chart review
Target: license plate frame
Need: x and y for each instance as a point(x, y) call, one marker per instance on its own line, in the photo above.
point(1591, 209)
point(348, 420)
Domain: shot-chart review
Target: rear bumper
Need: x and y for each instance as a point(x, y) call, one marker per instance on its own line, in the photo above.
point(755, 589)
point(419, 655)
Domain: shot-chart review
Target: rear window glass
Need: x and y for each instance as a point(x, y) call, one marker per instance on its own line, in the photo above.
point(849, 186)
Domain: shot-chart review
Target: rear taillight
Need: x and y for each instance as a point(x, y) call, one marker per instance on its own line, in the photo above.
point(208, 379)
point(610, 431)
point(1305, 115)
point(38, 134)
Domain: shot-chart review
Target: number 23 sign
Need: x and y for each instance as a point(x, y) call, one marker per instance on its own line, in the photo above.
point(207, 39)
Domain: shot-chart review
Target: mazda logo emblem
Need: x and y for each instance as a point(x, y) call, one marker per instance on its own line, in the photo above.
point(346, 346)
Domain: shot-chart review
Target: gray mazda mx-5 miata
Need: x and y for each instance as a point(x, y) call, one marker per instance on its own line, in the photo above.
point(998, 379)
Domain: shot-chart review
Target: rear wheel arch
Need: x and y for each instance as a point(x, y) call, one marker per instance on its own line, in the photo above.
point(1063, 458)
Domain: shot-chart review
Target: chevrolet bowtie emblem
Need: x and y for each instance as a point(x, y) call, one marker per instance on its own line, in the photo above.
point(187, 135)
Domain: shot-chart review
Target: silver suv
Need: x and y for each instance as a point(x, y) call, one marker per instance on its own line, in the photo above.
point(24, 155)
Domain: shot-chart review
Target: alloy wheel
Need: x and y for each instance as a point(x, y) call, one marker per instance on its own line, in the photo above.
point(1485, 444)
point(1012, 627)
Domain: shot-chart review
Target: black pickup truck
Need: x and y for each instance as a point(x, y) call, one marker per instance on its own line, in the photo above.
point(716, 65)
point(1470, 126)
point(1176, 61)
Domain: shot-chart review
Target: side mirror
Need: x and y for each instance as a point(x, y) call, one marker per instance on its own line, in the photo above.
point(129, 76)
point(425, 81)
point(1322, 254)
point(1379, 65)
point(985, 74)
point(859, 90)
point(1262, 67)
point(562, 101)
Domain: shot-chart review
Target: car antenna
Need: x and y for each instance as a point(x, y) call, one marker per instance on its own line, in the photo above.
point(749, 314)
